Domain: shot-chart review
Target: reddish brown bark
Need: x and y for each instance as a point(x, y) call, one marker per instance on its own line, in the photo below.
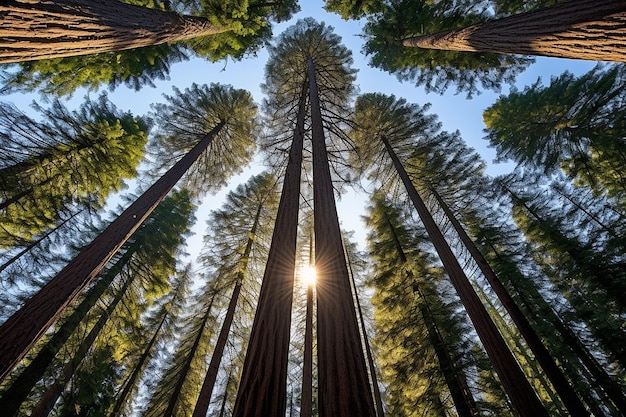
point(522, 395)
point(20, 332)
point(343, 386)
point(553, 372)
point(33, 30)
point(580, 29)
point(263, 386)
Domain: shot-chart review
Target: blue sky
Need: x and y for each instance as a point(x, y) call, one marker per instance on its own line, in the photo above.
point(454, 111)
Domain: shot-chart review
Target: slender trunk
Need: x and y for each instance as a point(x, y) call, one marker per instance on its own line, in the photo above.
point(34, 243)
point(223, 407)
point(306, 402)
point(263, 386)
point(204, 399)
point(22, 385)
point(182, 374)
point(580, 29)
point(603, 380)
point(378, 401)
point(542, 355)
point(22, 330)
point(33, 30)
point(513, 379)
point(50, 397)
point(455, 378)
point(343, 383)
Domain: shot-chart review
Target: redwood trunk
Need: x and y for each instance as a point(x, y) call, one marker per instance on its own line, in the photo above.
point(22, 330)
point(204, 399)
point(553, 372)
point(43, 29)
point(580, 29)
point(343, 382)
point(522, 395)
point(455, 379)
point(263, 387)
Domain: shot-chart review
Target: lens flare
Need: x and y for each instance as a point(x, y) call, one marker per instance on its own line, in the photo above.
point(308, 275)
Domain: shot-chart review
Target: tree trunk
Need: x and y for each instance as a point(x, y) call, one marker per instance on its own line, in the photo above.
point(542, 355)
point(580, 29)
point(306, 402)
point(378, 401)
point(455, 379)
point(33, 30)
point(343, 382)
point(522, 395)
point(22, 330)
point(50, 397)
point(263, 387)
point(22, 385)
point(204, 399)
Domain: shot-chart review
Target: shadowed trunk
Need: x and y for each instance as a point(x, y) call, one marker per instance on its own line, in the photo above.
point(580, 29)
point(542, 355)
point(455, 378)
point(22, 330)
point(343, 382)
point(204, 399)
point(522, 395)
point(43, 29)
point(306, 403)
point(263, 386)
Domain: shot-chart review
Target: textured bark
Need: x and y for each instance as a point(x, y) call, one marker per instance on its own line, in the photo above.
point(22, 330)
point(204, 399)
point(33, 30)
point(522, 395)
point(21, 386)
point(343, 382)
point(455, 379)
point(580, 29)
point(542, 355)
point(263, 386)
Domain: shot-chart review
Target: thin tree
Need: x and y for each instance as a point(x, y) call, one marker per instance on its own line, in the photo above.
point(231, 113)
point(403, 124)
point(578, 29)
point(240, 220)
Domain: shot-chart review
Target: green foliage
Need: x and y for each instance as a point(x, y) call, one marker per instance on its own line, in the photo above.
point(353, 9)
point(436, 70)
point(190, 115)
point(576, 124)
point(68, 158)
point(63, 76)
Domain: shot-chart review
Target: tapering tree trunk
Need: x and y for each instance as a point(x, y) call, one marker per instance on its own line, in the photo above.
point(50, 397)
point(455, 378)
point(22, 385)
point(522, 395)
point(263, 387)
point(378, 401)
point(343, 382)
point(204, 399)
point(306, 402)
point(579, 29)
point(42, 29)
point(171, 411)
point(562, 386)
point(20, 332)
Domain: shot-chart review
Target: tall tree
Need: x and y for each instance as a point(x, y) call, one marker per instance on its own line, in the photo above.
point(102, 145)
point(242, 222)
point(230, 113)
point(436, 70)
point(145, 256)
point(395, 122)
point(580, 29)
